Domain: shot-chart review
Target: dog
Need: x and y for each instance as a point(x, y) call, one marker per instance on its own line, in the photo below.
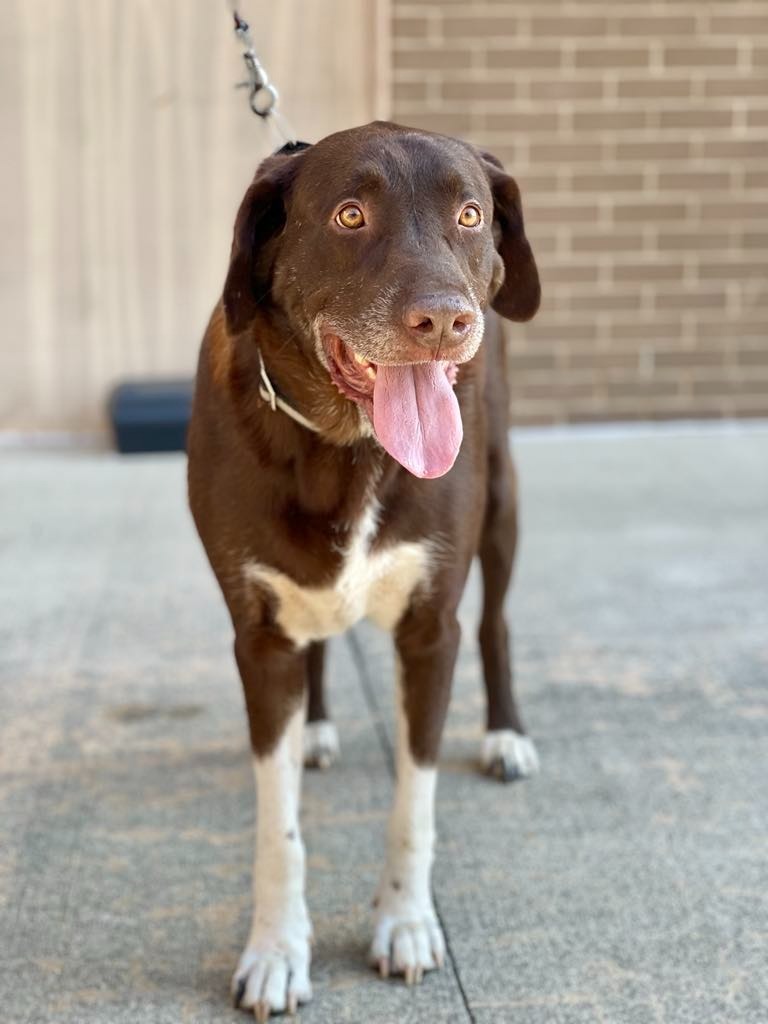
point(348, 458)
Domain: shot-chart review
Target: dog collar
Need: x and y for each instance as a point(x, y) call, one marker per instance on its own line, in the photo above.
point(270, 395)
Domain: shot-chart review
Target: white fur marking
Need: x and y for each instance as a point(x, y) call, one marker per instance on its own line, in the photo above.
point(407, 937)
point(274, 967)
point(509, 754)
point(374, 584)
point(321, 744)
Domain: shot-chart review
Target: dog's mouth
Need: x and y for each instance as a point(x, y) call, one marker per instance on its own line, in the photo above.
point(412, 406)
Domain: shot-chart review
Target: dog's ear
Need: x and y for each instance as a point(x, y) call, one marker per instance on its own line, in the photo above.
point(515, 289)
point(259, 222)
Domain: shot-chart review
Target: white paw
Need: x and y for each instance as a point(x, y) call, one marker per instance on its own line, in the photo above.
point(507, 755)
point(272, 976)
point(321, 744)
point(407, 938)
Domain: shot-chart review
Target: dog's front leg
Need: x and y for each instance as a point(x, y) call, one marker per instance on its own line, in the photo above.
point(407, 936)
point(273, 972)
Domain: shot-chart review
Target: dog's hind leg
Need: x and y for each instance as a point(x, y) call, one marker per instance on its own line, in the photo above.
point(321, 739)
point(506, 752)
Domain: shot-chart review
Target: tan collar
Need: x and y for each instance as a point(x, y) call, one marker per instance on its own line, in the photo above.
point(268, 393)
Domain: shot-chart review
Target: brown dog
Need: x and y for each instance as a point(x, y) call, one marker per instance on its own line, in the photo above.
point(348, 458)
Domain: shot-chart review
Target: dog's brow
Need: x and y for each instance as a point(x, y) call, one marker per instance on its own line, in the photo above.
point(454, 183)
point(368, 179)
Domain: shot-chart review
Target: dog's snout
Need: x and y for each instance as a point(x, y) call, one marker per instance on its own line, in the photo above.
point(439, 321)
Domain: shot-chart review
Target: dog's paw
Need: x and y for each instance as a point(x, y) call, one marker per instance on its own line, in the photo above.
point(507, 755)
point(271, 977)
point(321, 744)
point(407, 940)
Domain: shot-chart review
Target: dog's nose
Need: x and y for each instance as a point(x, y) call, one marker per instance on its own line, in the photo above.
point(439, 322)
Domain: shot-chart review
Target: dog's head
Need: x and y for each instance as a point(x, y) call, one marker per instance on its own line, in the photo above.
point(382, 246)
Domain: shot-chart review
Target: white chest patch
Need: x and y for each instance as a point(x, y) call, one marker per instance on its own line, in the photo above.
point(376, 585)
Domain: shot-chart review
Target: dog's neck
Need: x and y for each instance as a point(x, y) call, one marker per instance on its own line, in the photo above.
point(278, 402)
point(300, 379)
point(328, 475)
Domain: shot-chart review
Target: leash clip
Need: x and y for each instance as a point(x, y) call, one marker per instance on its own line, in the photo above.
point(263, 97)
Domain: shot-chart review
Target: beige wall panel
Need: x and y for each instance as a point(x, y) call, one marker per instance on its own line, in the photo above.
point(126, 150)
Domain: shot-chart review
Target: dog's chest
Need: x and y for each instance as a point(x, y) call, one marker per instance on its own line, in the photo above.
point(373, 584)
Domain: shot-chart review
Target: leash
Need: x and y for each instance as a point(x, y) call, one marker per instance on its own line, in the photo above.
point(263, 97)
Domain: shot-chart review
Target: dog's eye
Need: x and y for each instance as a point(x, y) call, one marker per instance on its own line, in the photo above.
point(350, 216)
point(471, 216)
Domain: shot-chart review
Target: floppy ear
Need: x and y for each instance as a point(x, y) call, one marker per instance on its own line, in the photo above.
point(519, 294)
point(259, 222)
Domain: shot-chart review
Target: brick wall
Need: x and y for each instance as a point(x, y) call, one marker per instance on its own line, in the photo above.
point(638, 132)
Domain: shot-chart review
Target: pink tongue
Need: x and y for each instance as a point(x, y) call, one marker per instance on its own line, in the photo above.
point(416, 417)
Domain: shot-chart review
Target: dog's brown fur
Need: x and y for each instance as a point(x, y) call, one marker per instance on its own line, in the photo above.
point(262, 487)
point(265, 489)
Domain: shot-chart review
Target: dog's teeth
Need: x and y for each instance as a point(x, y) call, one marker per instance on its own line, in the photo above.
point(370, 372)
point(360, 359)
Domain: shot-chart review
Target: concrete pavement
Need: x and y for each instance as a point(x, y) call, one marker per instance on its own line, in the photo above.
point(627, 883)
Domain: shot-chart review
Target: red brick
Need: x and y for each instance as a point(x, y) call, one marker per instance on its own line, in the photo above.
point(425, 60)
point(409, 91)
point(609, 120)
point(566, 90)
point(607, 181)
point(754, 239)
point(480, 27)
point(613, 301)
point(515, 121)
point(694, 180)
point(654, 270)
point(607, 241)
point(658, 26)
point(610, 57)
point(753, 357)
point(568, 273)
point(649, 211)
point(639, 331)
point(448, 123)
point(699, 118)
point(565, 27)
point(739, 25)
point(735, 148)
point(689, 357)
point(709, 298)
point(726, 87)
point(565, 152)
point(515, 59)
point(701, 56)
point(734, 269)
point(560, 213)
point(671, 150)
point(409, 28)
point(458, 89)
point(756, 179)
point(685, 239)
point(653, 88)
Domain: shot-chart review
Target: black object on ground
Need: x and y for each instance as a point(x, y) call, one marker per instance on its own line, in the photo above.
point(151, 415)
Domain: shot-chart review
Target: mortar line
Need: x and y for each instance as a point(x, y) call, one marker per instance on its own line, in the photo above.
point(369, 695)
